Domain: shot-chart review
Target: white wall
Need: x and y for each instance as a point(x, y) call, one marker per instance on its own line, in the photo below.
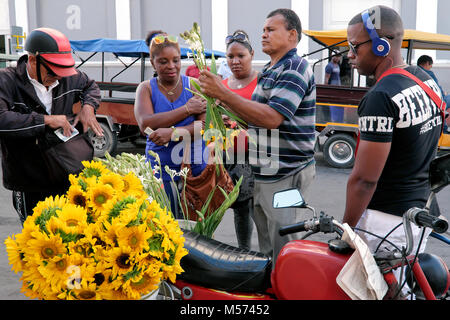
point(4, 17)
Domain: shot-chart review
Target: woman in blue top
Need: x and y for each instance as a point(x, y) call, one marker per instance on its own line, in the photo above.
point(166, 106)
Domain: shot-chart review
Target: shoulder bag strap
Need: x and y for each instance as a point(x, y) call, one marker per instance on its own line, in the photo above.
point(436, 99)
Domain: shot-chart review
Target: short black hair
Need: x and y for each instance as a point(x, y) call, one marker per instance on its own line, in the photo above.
point(424, 59)
point(291, 18)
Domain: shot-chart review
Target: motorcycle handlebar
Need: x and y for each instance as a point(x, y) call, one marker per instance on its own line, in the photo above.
point(423, 219)
point(298, 227)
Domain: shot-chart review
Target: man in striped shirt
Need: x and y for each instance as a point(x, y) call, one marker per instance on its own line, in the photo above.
point(283, 102)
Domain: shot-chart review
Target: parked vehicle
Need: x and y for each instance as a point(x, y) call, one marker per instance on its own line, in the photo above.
point(337, 118)
point(308, 269)
point(116, 111)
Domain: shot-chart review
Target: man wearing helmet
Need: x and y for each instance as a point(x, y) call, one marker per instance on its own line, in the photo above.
point(37, 96)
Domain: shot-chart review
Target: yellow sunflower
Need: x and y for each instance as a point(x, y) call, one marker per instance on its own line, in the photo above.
point(114, 180)
point(132, 184)
point(99, 195)
point(81, 246)
point(93, 168)
point(86, 291)
point(111, 231)
point(49, 204)
point(33, 280)
point(76, 195)
point(115, 208)
point(27, 290)
point(135, 237)
point(15, 255)
point(132, 213)
point(71, 219)
point(141, 283)
point(44, 247)
point(55, 271)
point(116, 294)
point(119, 260)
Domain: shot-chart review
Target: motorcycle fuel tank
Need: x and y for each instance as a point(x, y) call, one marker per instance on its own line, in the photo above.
point(307, 270)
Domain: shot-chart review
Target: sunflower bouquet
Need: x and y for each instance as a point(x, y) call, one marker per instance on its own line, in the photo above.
point(102, 240)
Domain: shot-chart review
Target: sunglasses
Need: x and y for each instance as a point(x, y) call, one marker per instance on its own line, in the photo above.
point(162, 38)
point(354, 47)
point(240, 37)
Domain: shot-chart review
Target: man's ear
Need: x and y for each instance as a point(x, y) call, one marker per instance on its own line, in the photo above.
point(293, 35)
point(32, 59)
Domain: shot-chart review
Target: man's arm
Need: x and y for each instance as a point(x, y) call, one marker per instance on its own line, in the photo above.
point(91, 102)
point(361, 185)
point(259, 114)
point(327, 78)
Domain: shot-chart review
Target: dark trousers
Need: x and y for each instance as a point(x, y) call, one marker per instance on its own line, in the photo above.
point(243, 223)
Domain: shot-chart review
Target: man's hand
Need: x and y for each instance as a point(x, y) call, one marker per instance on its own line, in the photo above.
point(211, 84)
point(59, 121)
point(87, 118)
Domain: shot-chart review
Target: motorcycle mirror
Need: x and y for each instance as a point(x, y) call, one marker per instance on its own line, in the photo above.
point(291, 198)
point(440, 172)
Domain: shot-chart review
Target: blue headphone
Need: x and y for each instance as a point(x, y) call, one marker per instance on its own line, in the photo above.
point(380, 46)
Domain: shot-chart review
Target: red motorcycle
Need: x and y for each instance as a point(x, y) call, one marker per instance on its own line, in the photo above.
point(307, 270)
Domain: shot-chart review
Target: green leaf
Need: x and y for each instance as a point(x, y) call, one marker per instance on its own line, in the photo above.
point(213, 64)
point(231, 115)
point(195, 85)
point(46, 214)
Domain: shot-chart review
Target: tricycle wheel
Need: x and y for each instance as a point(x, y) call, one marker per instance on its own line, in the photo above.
point(107, 143)
point(339, 150)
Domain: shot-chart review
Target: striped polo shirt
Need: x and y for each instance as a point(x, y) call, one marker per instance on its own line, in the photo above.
point(289, 88)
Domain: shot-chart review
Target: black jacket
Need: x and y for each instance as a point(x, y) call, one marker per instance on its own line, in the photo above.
point(22, 123)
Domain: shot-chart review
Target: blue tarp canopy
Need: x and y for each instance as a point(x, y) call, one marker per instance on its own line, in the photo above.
point(125, 48)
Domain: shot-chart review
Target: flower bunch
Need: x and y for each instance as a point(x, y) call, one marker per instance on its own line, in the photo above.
point(125, 163)
point(215, 128)
point(102, 240)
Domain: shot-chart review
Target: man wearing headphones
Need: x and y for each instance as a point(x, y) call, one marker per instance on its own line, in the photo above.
point(399, 128)
point(37, 96)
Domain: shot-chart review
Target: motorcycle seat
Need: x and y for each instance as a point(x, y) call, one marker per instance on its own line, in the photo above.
point(216, 265)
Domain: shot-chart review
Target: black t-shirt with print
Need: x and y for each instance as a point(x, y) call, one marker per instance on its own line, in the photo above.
point(397, 110)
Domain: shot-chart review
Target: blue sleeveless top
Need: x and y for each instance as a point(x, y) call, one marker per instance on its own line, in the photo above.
point(172, 155)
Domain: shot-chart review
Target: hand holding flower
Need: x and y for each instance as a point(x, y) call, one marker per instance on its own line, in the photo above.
point(161, 136)
point(196, 105)
point(211, 84)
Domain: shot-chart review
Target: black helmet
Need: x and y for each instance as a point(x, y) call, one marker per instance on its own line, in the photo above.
point(435, 271)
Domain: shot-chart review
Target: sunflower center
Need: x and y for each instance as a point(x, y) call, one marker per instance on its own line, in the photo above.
point(126, 186)
point(48, 252)
point(122, 261)
point(99, 278)
point(79, 249)
point(71, 223)
point(86, 295)
point(61, 265)
point(133, 240)
point(100, 198)
point(80, 200)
